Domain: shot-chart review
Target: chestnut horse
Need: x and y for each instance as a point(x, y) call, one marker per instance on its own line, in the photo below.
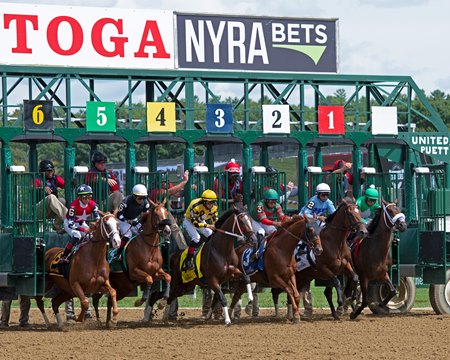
point(143, 257)
point(372, 256)
point(218, 261)
point(89, 270)
point(279, 262)
point(335, 257)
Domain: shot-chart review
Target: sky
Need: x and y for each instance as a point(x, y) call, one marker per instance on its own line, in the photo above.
point(376, 37)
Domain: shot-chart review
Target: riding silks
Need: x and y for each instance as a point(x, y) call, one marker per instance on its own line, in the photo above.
point(57, 269)
point(191, 274)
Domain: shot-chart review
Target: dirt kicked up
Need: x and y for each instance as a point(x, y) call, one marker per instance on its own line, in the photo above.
point(418, 335)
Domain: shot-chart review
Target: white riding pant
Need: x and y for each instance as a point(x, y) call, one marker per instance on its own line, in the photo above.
point(127, 230)
point(74, 233)
point(263, 229)
point(194, 232)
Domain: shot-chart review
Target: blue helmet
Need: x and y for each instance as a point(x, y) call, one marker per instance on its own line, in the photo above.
point(84, 189)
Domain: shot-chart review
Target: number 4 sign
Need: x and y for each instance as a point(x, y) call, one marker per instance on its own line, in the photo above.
point(100, 116)
point(331, 119)
point(161, 117)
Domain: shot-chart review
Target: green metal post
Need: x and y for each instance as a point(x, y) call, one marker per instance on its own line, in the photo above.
point(318, 161)
point(371, 154)
point(408, 185)
point(247, 164)
point(302, 165)
point(69, 163)
point(130, 163)
point(152, 158)
point(447, 175)
point(6, 162)
point(32, 157)
point(209, 157)
point(357, 164)
point(264, 155)
point(189, 158)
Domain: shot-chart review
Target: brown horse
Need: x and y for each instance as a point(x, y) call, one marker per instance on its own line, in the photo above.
point(218, 261)
point(89, 271)
point(279, 262)
point(372, 255)
point(143, 257)
point(335, 256)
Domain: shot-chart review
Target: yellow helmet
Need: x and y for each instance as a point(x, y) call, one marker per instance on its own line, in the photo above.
point(209, 195)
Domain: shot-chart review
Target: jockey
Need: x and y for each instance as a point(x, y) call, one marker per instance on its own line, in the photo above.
point(234, 184)
point(129, 211)
point(368, 203)
point(267, 217)
point(200, 217)
point(319, 204)
point(77, 214)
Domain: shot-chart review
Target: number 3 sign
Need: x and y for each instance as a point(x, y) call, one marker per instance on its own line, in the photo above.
point(276, 119)
point(331, 119)
point(219, 118)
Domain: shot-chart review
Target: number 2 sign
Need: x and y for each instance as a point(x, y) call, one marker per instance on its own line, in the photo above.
point(276, 119)
point(331, 119)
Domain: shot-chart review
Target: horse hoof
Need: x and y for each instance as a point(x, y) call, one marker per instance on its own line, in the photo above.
point(353, 316)
point(162, 304)
point(112, 324)
point(227, 322)
point(139, 302)
point(248, 309)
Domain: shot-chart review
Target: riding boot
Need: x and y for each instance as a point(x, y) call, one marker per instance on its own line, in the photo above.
point(65, 256)
point(123, 242)
point(256, 254)
point(189, 262)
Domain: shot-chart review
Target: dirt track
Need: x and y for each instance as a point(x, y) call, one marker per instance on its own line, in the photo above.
point(418, 335)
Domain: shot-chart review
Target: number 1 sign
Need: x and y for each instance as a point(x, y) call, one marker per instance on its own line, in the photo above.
point(331, 119)
point(276, 119)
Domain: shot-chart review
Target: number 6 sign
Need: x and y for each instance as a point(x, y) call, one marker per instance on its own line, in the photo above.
point(331, 119)
point(276, 119)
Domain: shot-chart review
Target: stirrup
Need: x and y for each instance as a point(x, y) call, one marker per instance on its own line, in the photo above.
point(64, 260)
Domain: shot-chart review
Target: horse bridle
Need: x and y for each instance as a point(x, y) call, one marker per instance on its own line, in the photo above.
point(352, 227)
point(308, 239)
point(240, 235)
point(104, 231)
point(392, 220)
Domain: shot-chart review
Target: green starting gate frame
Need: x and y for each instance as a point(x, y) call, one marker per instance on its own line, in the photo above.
point(192, 90)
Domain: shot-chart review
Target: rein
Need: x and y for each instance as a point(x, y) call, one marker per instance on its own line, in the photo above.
point(307, 238)
point(104, 231)
point(239, 236)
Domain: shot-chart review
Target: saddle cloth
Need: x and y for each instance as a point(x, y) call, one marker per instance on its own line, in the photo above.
point(303, 256)
point(191, 274)
point(251, 267)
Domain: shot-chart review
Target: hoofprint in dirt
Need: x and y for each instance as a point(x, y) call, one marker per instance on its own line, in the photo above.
point(419, 334)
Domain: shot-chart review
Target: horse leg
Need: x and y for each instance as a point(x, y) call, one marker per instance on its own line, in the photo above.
point(107, 288)
point(328, 292)
point(392, 292)
point(291, 289)
point(95, 302)
point(275, 296)
point(161, 274)
point(84, 301)
point(364, 283)
point(56, 302)
point(248, 284)
point(305, 294)
point(40, 305)
point(239, 290)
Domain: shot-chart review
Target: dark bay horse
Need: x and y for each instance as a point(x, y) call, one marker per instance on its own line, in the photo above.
point(89, 271)
point(218, 261)
point(279, 262)
point(335, 257)
point(372, 255)
point(143, 257)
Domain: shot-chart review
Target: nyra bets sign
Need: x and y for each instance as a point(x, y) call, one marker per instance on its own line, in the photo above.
point(86, 37)
point(256, 43)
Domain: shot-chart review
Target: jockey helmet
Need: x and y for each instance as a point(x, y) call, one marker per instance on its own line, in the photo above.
point(46, 165)
point(233, 167)
point(140, 190)
point(84, 189)
point(98, 156)
point(270, 194)
point(209, 195)
point(323, 188)
point(372, 193)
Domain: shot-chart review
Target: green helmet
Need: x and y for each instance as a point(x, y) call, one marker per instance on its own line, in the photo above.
point(271, 194)
point(372, 193)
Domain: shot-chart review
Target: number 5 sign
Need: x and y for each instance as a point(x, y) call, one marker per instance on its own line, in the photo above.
point(100, 116)
point(331, 119)
point(276, 119)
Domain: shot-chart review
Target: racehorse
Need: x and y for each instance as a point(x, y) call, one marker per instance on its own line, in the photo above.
point(218, 259)
point(372, 255)
point(142, 257)
point(279, 262)
point(88, 272)
point(335, 256)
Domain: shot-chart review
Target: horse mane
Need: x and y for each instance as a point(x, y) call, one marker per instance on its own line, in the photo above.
point(374, 223)
point(293, 219)
point(346, 201)
point(225, 216)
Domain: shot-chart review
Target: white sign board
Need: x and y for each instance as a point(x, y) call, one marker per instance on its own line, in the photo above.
point(86, 37)
point(276, 119)
point(384, 120)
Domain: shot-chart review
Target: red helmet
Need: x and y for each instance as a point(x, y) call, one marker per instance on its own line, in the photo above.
point(233, 167)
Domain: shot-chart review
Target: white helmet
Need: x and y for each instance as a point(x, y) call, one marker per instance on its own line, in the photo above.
point(140, 190)
point(323, 188)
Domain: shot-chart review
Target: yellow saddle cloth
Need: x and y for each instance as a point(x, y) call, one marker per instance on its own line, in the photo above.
point(189, 275)
point(55, 270)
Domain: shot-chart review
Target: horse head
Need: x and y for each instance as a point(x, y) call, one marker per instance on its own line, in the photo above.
point(160, 218)
point(239, 221)
point(352, 219)
point(393, 216)
point(312, 236)
point(109, 230)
